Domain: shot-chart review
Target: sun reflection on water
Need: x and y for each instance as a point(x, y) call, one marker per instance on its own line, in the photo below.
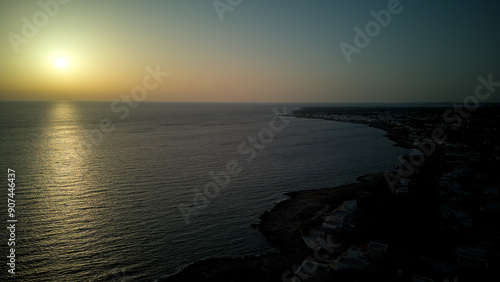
point(65, 217)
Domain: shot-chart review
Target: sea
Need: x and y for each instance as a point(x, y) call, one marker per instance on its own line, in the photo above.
point(98, 188)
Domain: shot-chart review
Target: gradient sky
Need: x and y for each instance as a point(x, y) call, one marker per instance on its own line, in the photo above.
point(263, 51)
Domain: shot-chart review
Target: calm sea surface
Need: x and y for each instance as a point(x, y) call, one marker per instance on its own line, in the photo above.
point(110, 212)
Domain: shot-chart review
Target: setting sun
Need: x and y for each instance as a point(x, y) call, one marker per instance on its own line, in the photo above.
point(60, 63)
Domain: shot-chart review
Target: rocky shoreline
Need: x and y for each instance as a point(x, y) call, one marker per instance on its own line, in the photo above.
point(282, 227)
point(458, 175)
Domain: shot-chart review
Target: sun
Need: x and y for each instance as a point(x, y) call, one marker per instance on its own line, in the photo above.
point(60, 63)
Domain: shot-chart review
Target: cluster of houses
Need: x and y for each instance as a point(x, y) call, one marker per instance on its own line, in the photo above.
point(452, 192)
point(340, 215)
point(323, 237)
point(353, 258)
point(458, 185)
point(469, 175)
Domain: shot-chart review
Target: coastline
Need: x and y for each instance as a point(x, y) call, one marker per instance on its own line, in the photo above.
point(282, 228)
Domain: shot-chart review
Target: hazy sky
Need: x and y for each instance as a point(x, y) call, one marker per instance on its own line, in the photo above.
point(262, 51)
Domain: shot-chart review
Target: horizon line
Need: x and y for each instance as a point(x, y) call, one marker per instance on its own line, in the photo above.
point(246, 102)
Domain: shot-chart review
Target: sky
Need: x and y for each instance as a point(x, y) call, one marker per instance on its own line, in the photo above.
point(248, 50)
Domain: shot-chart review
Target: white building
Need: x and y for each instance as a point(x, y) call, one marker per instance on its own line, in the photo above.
point(348, 206)
point(308, 268)
point(337, 218)
point(353, 258)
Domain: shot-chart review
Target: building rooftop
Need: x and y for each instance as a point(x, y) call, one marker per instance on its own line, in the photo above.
point(378, 247)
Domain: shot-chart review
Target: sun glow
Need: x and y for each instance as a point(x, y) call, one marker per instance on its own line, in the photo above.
point(60, 63)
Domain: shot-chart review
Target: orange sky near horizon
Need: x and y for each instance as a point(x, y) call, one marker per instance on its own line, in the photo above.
point(108, 56)
point(260, 52)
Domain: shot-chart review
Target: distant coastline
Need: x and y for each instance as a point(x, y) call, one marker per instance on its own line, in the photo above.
point(281, 225)
point(432, 223)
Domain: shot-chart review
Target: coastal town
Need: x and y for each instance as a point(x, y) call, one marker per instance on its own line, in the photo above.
point(456, 173)
point(434, 217)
